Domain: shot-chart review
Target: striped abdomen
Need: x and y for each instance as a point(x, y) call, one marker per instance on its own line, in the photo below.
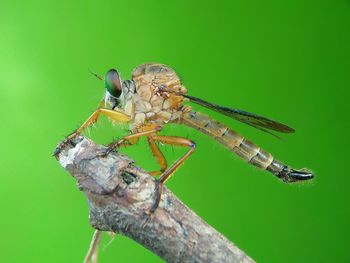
point(245, 149)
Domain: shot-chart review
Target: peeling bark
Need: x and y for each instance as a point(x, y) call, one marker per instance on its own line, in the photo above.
point(120, 196)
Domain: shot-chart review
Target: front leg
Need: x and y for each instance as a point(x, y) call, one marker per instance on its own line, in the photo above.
point(114, 115)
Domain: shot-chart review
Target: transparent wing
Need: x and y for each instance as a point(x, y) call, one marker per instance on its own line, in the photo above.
point(259, 122)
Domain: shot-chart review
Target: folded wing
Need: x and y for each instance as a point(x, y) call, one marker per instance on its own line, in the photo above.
point(259, 122)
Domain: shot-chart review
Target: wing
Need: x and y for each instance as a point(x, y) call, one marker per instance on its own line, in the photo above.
point(259, 122)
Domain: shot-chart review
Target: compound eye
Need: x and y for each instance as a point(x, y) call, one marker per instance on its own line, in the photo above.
point(113, 83)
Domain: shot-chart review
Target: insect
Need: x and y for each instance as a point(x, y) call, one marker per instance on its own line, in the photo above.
point(155, 97)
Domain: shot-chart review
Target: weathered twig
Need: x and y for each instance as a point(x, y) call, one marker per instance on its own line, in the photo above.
point(120, 196)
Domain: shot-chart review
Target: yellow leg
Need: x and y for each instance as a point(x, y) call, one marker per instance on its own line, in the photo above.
point(114, 115)
point(158, 155)
point(150, 132)
point(145, 130)
point(131, 139)
point(177, 141)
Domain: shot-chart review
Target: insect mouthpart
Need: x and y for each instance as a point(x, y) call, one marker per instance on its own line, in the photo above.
point(111, 101)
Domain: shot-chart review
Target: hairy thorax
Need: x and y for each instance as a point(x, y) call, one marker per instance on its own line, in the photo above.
point(146, 102)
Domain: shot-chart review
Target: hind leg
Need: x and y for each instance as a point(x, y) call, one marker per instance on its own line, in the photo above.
point(176, 141)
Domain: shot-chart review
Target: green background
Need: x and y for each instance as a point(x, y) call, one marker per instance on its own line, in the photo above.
point(288, 60)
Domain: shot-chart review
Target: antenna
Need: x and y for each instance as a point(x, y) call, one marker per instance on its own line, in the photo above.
point(97, 76)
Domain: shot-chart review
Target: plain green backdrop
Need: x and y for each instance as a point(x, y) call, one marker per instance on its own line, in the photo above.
point(288, 60)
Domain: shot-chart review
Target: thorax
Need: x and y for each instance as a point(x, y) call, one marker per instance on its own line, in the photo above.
point(144, 104)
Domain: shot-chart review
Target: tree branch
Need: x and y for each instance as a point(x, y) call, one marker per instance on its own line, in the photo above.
point(120, 196)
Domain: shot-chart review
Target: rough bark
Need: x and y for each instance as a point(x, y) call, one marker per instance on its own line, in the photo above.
point(120, 196)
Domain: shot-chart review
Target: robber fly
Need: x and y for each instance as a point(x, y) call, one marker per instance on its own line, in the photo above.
point(155, 97)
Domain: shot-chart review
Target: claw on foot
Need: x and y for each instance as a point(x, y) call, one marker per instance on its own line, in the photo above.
point(146, 218)
point(67, 140)
point(105, 152)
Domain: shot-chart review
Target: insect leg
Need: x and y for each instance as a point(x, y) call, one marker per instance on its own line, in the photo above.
point(92, 254)
point(111, 114)
point(145, 130)
point(177, 141)
point(158, 155)
point(114, 115)
point(131, 139)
